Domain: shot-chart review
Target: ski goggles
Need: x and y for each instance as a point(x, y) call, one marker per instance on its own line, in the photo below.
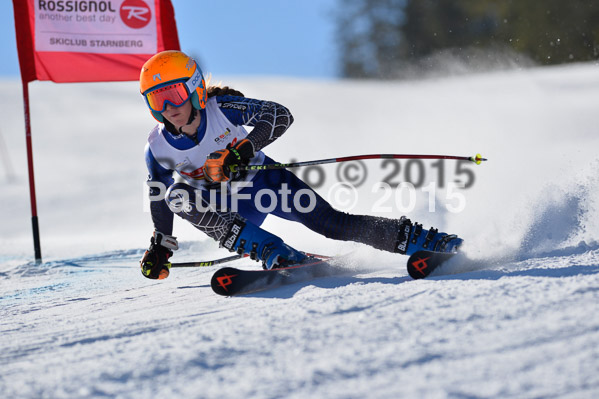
point(173, 93)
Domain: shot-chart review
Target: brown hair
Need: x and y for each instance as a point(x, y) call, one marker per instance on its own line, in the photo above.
point(223, 91)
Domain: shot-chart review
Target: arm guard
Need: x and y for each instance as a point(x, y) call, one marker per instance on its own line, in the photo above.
point(269, 119)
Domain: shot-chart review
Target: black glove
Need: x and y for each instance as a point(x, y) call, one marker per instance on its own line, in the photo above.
point(218, 164)
point(154, 263)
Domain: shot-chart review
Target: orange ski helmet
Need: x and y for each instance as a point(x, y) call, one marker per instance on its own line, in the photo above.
point(171, 77)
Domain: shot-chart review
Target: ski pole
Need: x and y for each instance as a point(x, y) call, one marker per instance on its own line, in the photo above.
point(204, 263)
point(477, 159)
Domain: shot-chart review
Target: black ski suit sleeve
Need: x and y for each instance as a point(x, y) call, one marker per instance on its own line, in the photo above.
point(159, 180)
point(269, 119)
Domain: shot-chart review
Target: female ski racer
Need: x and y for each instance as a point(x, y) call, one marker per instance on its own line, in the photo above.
point(200, 136)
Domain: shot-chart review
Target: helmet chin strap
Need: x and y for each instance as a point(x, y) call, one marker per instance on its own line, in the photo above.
point(192, 117)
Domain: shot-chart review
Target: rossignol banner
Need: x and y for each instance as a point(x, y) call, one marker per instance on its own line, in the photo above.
point(91, 40)
point(95, 26)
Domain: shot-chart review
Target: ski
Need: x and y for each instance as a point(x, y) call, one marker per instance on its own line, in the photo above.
point(230, 281)
point(422, 263)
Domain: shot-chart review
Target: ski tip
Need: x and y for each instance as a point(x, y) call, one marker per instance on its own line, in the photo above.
point(223, 279)
point(418, 265)
point(422, 263)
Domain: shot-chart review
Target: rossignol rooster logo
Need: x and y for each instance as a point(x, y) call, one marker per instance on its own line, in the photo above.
point(135, 13)
point(420, 265)
point(225, 280)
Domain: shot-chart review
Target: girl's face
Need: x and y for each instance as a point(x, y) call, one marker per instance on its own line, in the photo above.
point(178, 116)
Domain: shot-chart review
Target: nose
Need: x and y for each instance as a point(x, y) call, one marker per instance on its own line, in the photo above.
point(169, 109)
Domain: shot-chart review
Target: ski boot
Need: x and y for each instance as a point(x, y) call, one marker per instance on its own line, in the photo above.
point(245, 237)
point(412, 238)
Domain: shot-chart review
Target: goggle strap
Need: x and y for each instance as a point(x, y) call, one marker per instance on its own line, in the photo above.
point(197, 78)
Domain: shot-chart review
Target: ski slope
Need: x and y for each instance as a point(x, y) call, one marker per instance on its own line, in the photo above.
point(516, 317)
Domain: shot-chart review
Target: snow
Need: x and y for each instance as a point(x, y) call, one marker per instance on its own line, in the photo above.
point(516, 316)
